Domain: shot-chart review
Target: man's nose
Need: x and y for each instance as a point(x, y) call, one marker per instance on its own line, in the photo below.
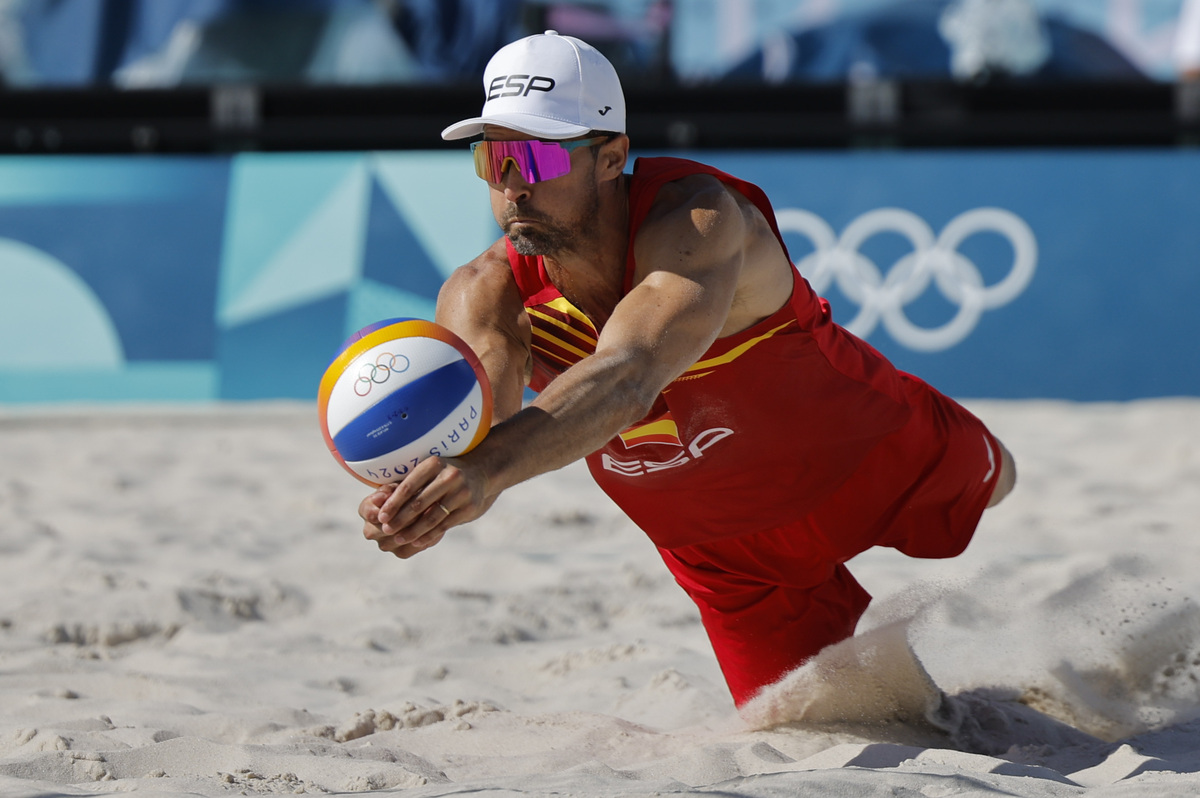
point(512, 183)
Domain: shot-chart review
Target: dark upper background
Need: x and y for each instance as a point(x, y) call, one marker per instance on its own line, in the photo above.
point(205, 75)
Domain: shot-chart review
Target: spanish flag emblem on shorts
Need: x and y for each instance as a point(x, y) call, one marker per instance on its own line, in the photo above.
point(660, 430)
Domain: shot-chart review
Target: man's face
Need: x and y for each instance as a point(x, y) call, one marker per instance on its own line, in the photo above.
point(550, 217)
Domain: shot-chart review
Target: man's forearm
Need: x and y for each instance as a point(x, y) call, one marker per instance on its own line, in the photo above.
point(575, 415)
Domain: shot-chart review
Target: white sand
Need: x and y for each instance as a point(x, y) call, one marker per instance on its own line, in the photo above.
point(187, 607)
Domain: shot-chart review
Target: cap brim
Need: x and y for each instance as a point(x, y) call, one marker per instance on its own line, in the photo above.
point(528, 124)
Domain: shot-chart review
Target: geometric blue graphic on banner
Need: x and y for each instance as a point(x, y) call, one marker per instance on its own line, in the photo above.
point(309, 235)
point(50, 320)
point(283, 355)
point(443, 202)
point(369, 302)
point(150, 253)
point(392, 255)
point(294, 234)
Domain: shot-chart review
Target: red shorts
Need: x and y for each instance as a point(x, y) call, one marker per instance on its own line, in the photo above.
point(771, 600)
point(763, 623)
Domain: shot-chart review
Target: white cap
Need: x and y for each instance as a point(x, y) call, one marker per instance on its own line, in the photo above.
point(548, 86)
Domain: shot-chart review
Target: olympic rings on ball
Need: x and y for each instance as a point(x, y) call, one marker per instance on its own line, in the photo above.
point(377, 373)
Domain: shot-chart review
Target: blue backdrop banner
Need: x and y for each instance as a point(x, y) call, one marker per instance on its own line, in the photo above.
point(993, 274)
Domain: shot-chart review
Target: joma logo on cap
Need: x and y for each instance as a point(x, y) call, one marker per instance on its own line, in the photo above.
point(518, 85)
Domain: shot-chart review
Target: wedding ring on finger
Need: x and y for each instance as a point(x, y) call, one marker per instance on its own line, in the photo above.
point(442, 507)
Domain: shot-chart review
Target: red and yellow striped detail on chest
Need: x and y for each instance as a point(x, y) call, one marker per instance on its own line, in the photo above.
point(561, 333)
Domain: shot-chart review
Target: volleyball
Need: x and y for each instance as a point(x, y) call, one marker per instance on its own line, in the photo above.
point(400, 391)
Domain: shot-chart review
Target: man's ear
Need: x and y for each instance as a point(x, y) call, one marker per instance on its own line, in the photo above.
point(613, 156)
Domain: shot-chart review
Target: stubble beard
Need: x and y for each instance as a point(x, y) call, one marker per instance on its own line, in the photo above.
point(550, 237)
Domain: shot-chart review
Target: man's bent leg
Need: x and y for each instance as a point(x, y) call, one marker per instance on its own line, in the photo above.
point(760, 632)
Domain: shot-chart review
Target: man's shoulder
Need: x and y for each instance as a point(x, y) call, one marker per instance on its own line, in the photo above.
point(495, 255)
point(668, 170)
point(483, 286)
point(687, 185)
point(491, 264)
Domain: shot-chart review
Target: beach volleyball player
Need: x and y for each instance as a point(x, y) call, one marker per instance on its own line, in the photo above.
point(673, 345)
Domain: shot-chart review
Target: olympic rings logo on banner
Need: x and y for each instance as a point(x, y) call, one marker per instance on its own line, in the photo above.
point(377, 373)
point(881, 298)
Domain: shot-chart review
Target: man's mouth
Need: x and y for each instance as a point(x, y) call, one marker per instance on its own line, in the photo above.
point(518, 222)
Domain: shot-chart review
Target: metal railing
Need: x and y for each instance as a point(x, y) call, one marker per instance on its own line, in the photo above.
point(861, 114)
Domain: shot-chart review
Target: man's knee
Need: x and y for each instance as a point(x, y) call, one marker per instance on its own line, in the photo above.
point(1007, 477)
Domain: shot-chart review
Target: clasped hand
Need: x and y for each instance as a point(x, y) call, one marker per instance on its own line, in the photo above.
point(409, 516)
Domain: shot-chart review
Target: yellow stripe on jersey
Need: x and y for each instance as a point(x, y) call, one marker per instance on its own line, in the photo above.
point(736, 352)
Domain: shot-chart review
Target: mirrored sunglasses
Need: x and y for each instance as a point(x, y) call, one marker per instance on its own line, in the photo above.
point(535, 160)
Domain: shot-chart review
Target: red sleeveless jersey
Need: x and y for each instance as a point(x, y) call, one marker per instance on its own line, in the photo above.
point(763, 428)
